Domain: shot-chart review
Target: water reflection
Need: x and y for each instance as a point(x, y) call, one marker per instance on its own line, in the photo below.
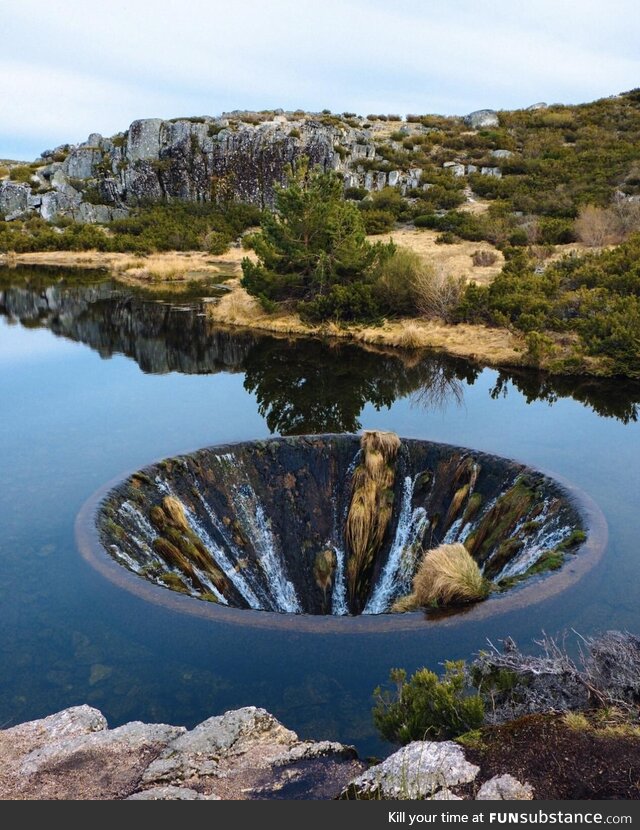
point(312, 386)
point(301, 386)
point(611, 397)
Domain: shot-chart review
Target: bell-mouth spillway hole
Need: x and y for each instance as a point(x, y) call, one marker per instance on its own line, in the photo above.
point(328, 532)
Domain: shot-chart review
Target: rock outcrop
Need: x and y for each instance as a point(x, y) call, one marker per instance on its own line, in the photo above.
point(242, 155)
point(481, 119)
point(246, 754)
point(195, 159)
point(243, 754)
point(422, 769)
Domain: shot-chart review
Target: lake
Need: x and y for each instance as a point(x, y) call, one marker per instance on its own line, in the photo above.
point(98, 380)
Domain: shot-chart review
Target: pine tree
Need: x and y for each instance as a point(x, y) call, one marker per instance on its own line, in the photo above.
point(312, 245)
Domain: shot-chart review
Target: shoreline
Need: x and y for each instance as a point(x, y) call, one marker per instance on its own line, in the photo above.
point(479, 344)
point(237, 309)
point(175, 271)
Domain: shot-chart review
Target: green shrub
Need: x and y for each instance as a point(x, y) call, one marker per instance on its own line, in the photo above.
point(356, 193)
point(162, 227)
point(378, 221)
point(597, 297)
point(216, 243)
point(395, 287)
point(427, 707)
point(22, 173)
point(343, 303)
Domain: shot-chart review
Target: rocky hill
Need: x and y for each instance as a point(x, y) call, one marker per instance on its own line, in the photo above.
point(241, 155)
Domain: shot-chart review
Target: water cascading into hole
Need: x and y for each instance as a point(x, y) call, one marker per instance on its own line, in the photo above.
point(336, 524)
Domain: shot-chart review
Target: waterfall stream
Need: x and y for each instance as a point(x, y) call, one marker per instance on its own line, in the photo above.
point(400, 565)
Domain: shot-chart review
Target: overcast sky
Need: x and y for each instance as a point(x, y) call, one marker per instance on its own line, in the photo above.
point(71, 67)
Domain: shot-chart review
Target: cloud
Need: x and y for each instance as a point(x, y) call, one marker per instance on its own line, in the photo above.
point(100, 70)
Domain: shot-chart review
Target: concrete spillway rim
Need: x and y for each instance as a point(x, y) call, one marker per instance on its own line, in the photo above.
point(533, 591)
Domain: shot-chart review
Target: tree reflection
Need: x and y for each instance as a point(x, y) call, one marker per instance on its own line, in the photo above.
point(609, 397)
point(301, 385)
point(309, 386)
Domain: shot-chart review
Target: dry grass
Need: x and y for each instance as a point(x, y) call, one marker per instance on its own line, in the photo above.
point(370, 509)
point(410, 337)
point(577, 721)
point(456, 503)
point(175, 511)
point(237, 308)
point(475, 206)
point(448, 575)
point(386, 443)
point(169, 267)
point(323, 569)
point(438, 293)
point(486, 345)
point(405, 604)
point(609, 722)
point(456, 259)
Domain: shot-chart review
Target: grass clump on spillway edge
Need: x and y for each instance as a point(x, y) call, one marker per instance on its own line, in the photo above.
point(323, 570)
point(447, 575)
point(370, 509)
point(183, 550)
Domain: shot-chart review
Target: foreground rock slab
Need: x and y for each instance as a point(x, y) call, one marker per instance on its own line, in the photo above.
point(504, 788)
point(422, 769)
point(243, 754)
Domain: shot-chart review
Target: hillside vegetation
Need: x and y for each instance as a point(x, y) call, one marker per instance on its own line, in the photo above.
point(524, 186)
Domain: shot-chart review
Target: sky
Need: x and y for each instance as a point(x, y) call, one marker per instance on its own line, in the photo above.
point(71, 67)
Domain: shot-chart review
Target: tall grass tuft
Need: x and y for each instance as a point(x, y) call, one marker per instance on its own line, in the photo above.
point(175, 511)
point(371, 506)
point(449, 575)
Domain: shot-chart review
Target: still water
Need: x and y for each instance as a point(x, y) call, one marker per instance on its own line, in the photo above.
point(96, 381)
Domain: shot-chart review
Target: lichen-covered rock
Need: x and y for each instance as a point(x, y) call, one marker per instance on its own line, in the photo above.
point(422, 769)
point(64, 725)
point(482, 118)
point(239, 755)
point(504, 788)
point(56, 203)
point(171, 794)
point(198, 752)
point(454, 168)
point(143, 141)
point(250, 750)
point(82, 162)
point(72, 755)
point(14, 199)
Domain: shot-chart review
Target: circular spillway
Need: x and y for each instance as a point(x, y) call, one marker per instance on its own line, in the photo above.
point(327, 532)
